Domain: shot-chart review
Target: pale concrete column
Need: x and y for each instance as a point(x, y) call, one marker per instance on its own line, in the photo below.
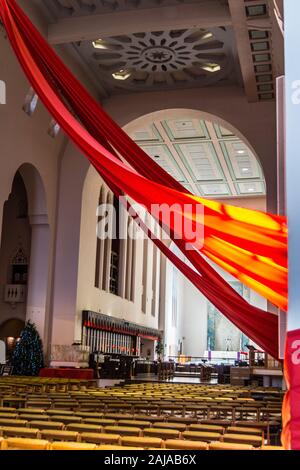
point(36, 310)
point(73, 171)
point(292, 93)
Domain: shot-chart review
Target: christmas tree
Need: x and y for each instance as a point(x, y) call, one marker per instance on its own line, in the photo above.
point(28, 356)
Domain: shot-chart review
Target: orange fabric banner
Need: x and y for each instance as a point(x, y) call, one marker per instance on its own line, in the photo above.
point(250, 245)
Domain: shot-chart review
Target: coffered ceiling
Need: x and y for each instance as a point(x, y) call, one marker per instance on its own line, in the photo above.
point(142, 45)
point(206, 158)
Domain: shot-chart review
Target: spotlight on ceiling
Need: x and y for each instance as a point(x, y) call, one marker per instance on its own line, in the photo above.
point(207, 35)
point(121, 74)
point(241, 152)
point(100, 44)
point(211, 67)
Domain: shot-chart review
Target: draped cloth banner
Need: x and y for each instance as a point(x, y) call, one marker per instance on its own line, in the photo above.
point(250, 245)
point(254, 322)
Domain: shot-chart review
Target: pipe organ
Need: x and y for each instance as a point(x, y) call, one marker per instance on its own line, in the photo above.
point(111, 335)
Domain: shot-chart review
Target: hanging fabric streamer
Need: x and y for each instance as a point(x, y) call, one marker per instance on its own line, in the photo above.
point(250, 245)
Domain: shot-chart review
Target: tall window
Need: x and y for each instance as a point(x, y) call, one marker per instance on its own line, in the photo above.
point(145, 275)
point(115, 250)
point(174, 298)
point(99, 247)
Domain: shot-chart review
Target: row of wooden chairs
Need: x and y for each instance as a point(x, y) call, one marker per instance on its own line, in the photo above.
point(124, 444)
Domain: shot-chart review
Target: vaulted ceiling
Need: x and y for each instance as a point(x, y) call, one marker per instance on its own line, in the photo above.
point(208, 159)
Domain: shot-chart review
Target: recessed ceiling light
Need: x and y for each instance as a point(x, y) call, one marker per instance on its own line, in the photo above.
point(245, 170)
point(207, 35)
point(251, 190)
point(100, 44)
point(121, 74)
point(241, 152)
point(211, 67)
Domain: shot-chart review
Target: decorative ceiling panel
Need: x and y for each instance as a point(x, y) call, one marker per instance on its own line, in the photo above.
point(162, 155)
point(214, 189)
point(223, 133)
point(251, 188)
point(186, 129)
point(201, 161)
point(160, 59)
point(148, 134)
point(241, 161)
point(208, 159)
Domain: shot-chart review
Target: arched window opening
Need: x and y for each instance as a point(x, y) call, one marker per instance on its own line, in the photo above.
point(115, 250)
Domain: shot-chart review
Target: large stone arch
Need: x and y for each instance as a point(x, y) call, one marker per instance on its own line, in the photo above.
point(38, 275)
point(256, 122)
point(174, 113)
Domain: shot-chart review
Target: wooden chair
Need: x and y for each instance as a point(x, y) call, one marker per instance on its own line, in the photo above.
point(33, 417)
point(56, 435)
point(21, 423)
point(31, 411)
point(9, 416)
point(272, 448)
point(65, 405)
point(185, 444)
point(3, 444)
point(66, 419)
point(144, 442)
point(244, 430)
point(162, 433)
point(81, 427)
point(26, 444)
point(55, 425)
point(44, 404)
point(206, 428)
point(11, 431)
point(123, 430)
point(255, 441)
point(61, 413)
point(108, 447)
point(72, 446)
point(152, 419)
point(134, 423)
point(8, 409)
point(229, 446)
point(170, 425)
point(88, 415)
point(186, 420)
point(201, 436)
point(100, 438)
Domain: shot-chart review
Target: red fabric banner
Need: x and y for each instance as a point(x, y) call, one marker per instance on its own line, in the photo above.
point(291, 405)
point(224, 246)
point(231, 232)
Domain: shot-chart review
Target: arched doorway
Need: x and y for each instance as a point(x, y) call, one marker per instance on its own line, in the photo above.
point(24, 253)
point(10, 331)
point(14, 257)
